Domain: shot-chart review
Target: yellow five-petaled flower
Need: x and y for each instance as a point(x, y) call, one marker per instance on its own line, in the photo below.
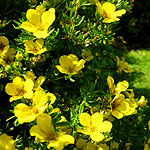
point(44, 132)
point(26, 113)
point(35, 47)
point(107, 11)
point(94, 126)
point(39, 21)
point(20, 88)
point(70, 64)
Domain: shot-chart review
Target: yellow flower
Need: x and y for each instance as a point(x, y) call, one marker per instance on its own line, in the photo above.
point(39, 21)
point(8, 58)
point(142, 102)
point(4, 45)
point(122, 65)
point(94, 126)
point(123, 107)
point(87, 55)
point(6, 142)
point(35, 47)
point(70, 64)
point(107, 11)
point(44, 132)
point(19, 88)
point(26, 113)
point(38, 82)
point(119, 106)
point(121, 86)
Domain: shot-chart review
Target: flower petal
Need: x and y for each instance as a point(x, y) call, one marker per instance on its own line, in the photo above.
point(97, 136)
point(44, 121)
point(24, 113)
point(37, 132)
point(108, 7)
point(96, 118)
point(85, 119)
point(105, 126)
point(28, 85)
point(118, 13)
point(28, 26)
point(48, 17)
point(33, 16)
point(10, 89)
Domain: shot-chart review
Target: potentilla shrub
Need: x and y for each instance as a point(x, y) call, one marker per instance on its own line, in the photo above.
point(65, 80)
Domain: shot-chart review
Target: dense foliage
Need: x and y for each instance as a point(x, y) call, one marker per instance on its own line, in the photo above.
point(64, 78)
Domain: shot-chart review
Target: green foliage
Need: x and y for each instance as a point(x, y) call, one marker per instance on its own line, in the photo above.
point(77, 28)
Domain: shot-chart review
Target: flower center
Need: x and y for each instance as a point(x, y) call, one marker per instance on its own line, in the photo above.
point(52, 136)
point(35, 110)
point(71, 70)
point(92, 129)
point(114, 105)
point(35, 50)
point(41, 27)
point(21, 92)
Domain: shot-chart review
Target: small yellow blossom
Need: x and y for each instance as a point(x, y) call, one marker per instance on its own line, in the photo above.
point(119, 106)
point(35, 47)
point(107, 11)
point(122, 106)
point(121, 86)
point(44, 132)
point(142, 102)
point(87, 55)
point(26, 113)
point(8, 58)
point(6, 142)
point(123, 66)
point(4, 45)
point(94, 126)
point(70, 64)
point(19, 88)
point(39, 21)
